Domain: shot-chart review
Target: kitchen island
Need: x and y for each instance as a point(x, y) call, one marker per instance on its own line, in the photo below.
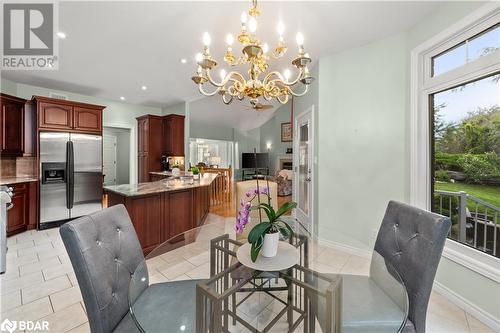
point(162, 209)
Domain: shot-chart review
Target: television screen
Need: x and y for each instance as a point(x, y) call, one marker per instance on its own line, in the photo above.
point(248, 160)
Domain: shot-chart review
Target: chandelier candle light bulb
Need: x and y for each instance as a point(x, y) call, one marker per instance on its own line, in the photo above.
point(222, 74)
point(300, 39)
point(244, 20)
point(257, 82)
point(252, 24)
point(287, 74)
point(281, 29)
point(265, 48)
point(206, 39)
point(229, 40)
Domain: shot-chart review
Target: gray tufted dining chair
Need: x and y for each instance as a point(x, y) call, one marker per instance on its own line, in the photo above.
point(410, 241)
point(104, 251)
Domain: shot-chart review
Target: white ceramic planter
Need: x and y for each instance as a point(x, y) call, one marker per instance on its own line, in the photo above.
point(176, 172)
point(270, 246)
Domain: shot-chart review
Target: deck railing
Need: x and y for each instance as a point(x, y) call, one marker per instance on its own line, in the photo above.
point(474, 221)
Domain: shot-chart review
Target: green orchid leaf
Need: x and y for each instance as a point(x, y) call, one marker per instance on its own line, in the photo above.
point(268, 210)
point(258, 231)
point(285, 208)
point(284, 231)
point(287, 226)
point(255, 249)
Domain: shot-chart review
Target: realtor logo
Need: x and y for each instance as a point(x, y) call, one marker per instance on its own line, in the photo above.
point(8, 326)
point(24, 325)
point(28, 36)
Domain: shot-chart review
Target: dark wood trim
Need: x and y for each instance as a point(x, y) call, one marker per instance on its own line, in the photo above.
point(67, 102)
point(13, 98)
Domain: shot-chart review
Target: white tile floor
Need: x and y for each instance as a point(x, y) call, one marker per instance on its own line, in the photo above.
point(40, 284)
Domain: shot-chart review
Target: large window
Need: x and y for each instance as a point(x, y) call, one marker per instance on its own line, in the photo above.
point(455, 136)
point(466, 163)
point(215, 153)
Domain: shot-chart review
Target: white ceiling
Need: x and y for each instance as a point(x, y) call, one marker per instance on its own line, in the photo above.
point(113, 48)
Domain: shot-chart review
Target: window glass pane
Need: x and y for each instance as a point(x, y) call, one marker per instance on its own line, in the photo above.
point(216, 153)
point(484, 44)
point(466, 162)
point(449, 60)
point(475, 47)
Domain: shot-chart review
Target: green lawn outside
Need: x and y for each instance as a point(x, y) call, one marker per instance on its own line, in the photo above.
point(488, 193)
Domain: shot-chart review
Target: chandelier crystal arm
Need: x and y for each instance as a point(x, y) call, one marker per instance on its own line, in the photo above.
point(302, 93)
point(229, 77)
point(200, 88)
point(281, 78)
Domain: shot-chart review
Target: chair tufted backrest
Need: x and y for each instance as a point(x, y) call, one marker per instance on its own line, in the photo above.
point(104, 251)
point(411, 241)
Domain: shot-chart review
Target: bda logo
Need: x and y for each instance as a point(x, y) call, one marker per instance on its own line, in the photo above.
point(9, 326)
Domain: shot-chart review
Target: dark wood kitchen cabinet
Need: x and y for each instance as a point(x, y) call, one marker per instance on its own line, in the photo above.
point(158, 136)
point(64, 115)
point(173, 135)
point(85, 119)
point(12, 125)
point(150, 130)
point(30, 134)
point(178, 211)
point(23, 215)
point(157, 217)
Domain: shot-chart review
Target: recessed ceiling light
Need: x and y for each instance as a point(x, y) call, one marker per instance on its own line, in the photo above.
point(144, 88)
point(61, 35)
point(183, 61)
point(122, 98)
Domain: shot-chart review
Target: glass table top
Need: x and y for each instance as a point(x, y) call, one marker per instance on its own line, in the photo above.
point(194, 283)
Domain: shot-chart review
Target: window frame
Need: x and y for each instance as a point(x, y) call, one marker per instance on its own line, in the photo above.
point(422, 86)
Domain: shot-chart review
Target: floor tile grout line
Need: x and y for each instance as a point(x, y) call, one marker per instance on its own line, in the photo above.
point(467, 321)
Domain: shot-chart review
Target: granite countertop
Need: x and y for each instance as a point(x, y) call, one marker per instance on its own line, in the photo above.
point(17, 180)
point(165, 173)
point(164, 185)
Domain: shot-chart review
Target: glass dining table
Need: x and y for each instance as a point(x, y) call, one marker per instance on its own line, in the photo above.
point(230, 297)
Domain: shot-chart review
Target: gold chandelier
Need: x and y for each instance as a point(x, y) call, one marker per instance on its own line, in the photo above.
point(256, 55)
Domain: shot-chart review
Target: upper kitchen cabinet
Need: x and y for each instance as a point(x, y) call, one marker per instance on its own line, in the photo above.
point(12, 126)
point(149, 132)
point(56, 114)
point(173, 135)
point(85, 119)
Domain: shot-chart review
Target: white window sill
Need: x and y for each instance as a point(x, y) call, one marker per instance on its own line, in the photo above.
point(473, 259)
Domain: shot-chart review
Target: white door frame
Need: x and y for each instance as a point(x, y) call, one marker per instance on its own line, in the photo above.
point(114, 148)
point(309, 112)
point(132, 173)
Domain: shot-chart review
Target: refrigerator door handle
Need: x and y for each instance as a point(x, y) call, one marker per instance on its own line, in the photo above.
point(70, 177)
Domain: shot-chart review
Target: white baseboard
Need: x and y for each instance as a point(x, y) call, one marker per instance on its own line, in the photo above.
point(346, 248)
point(464, 304)
point(481, 315)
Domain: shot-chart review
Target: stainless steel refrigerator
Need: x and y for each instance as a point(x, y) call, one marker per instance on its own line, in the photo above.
point(70, 176)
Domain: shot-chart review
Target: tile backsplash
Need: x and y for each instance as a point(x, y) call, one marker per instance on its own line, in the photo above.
point(17, 167)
